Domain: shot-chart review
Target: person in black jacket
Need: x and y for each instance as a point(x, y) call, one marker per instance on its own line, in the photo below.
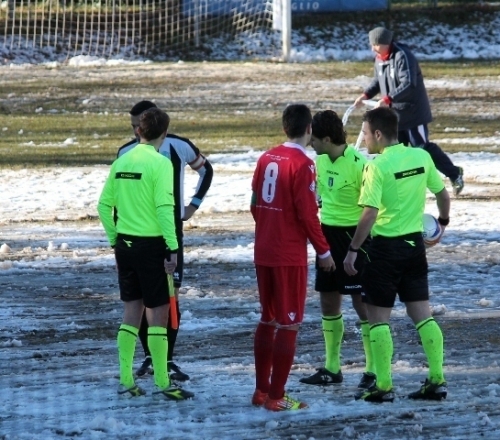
point(399, 81)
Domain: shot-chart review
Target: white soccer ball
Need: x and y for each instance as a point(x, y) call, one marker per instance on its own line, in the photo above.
point(432, 230)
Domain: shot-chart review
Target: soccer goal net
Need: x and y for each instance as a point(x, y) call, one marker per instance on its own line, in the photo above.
point(160, 29)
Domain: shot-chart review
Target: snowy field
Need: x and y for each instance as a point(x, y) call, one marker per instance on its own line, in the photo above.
point(60, 312)
point(60, 303)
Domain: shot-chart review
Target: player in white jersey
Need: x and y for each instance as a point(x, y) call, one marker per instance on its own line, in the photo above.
point(182, 152)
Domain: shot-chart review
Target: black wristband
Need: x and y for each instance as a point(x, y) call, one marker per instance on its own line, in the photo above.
point(444, 221)
point(351, 249)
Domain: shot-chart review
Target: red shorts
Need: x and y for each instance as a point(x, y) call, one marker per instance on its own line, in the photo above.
point(282, 293)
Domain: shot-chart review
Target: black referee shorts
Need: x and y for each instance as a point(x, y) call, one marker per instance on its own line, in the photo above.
point(339, 238)
point(141, 269)
point(396, 266)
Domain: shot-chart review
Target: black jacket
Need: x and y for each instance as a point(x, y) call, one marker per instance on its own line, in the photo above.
point(401, 79)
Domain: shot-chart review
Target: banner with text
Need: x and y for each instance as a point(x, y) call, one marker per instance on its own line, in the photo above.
point(228, 7)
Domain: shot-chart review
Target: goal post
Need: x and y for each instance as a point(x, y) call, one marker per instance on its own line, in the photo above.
point(282, 21)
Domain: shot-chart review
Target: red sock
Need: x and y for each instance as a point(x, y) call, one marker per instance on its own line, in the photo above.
point(284, 350)
point(263, 352)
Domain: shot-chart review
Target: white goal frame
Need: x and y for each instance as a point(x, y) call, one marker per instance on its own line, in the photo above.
point(107, 28)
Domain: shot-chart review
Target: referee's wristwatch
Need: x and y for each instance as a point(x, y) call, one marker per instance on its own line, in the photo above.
point(444, 221)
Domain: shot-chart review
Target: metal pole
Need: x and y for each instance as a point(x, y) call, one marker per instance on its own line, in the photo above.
point(197, 18)
point(287, 28)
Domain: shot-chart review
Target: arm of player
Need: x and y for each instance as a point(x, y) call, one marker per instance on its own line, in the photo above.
point(443, 203)
point(436, 186)
point(365, 224)
point(304, 194)
point(107, 220)
point(326, 263)
point(253, 200)
point(164, 201)
point(205, 175)
point(105, 208)
point(253, 204)
point(165, 215)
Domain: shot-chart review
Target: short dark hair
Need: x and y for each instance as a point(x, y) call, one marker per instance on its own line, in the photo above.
point(152, 123)
point(141, 107)
point(328, 123)
point(383, 119)
point(296, 118)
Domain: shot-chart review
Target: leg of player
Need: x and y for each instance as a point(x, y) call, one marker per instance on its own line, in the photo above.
point(158, 344)
point(176, 374)
point(434, 387)
point(263, 354)
point(333, 331)
point(282, 295)
point(382, 350)
point(282, 360)
point(143, 337)
point(126, 341)
point(368, 378)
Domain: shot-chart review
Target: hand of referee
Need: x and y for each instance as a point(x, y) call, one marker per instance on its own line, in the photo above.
point(171, 265)
point(327, 263)
point(349, 263)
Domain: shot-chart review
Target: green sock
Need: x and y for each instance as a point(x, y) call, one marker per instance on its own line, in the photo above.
point(158, 345)
point(432, 341)
point(382, 348)
point(365, 335)
point(333, 332)
point(126, 340)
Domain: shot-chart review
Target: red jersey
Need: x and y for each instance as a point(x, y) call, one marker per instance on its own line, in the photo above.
point(284, 208)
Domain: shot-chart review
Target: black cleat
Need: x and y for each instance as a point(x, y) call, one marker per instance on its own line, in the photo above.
point(175, 373)
point(173, 392)
point(367, 381)
point(323, 377)
point(374, 394)
point(430, 391)
point(133, 391)
point(145, 367)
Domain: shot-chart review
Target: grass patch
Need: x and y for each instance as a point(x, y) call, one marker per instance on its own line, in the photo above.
point(70, 116)
point(72, 139)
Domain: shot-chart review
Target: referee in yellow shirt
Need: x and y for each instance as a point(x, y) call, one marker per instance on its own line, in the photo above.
point(339, 173)
point(140, 187)
point(393, 200)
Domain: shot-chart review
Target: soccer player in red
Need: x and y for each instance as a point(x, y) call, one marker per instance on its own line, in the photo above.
point(286, 216)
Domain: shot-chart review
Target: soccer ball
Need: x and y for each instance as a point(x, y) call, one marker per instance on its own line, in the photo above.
point(432, 230)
